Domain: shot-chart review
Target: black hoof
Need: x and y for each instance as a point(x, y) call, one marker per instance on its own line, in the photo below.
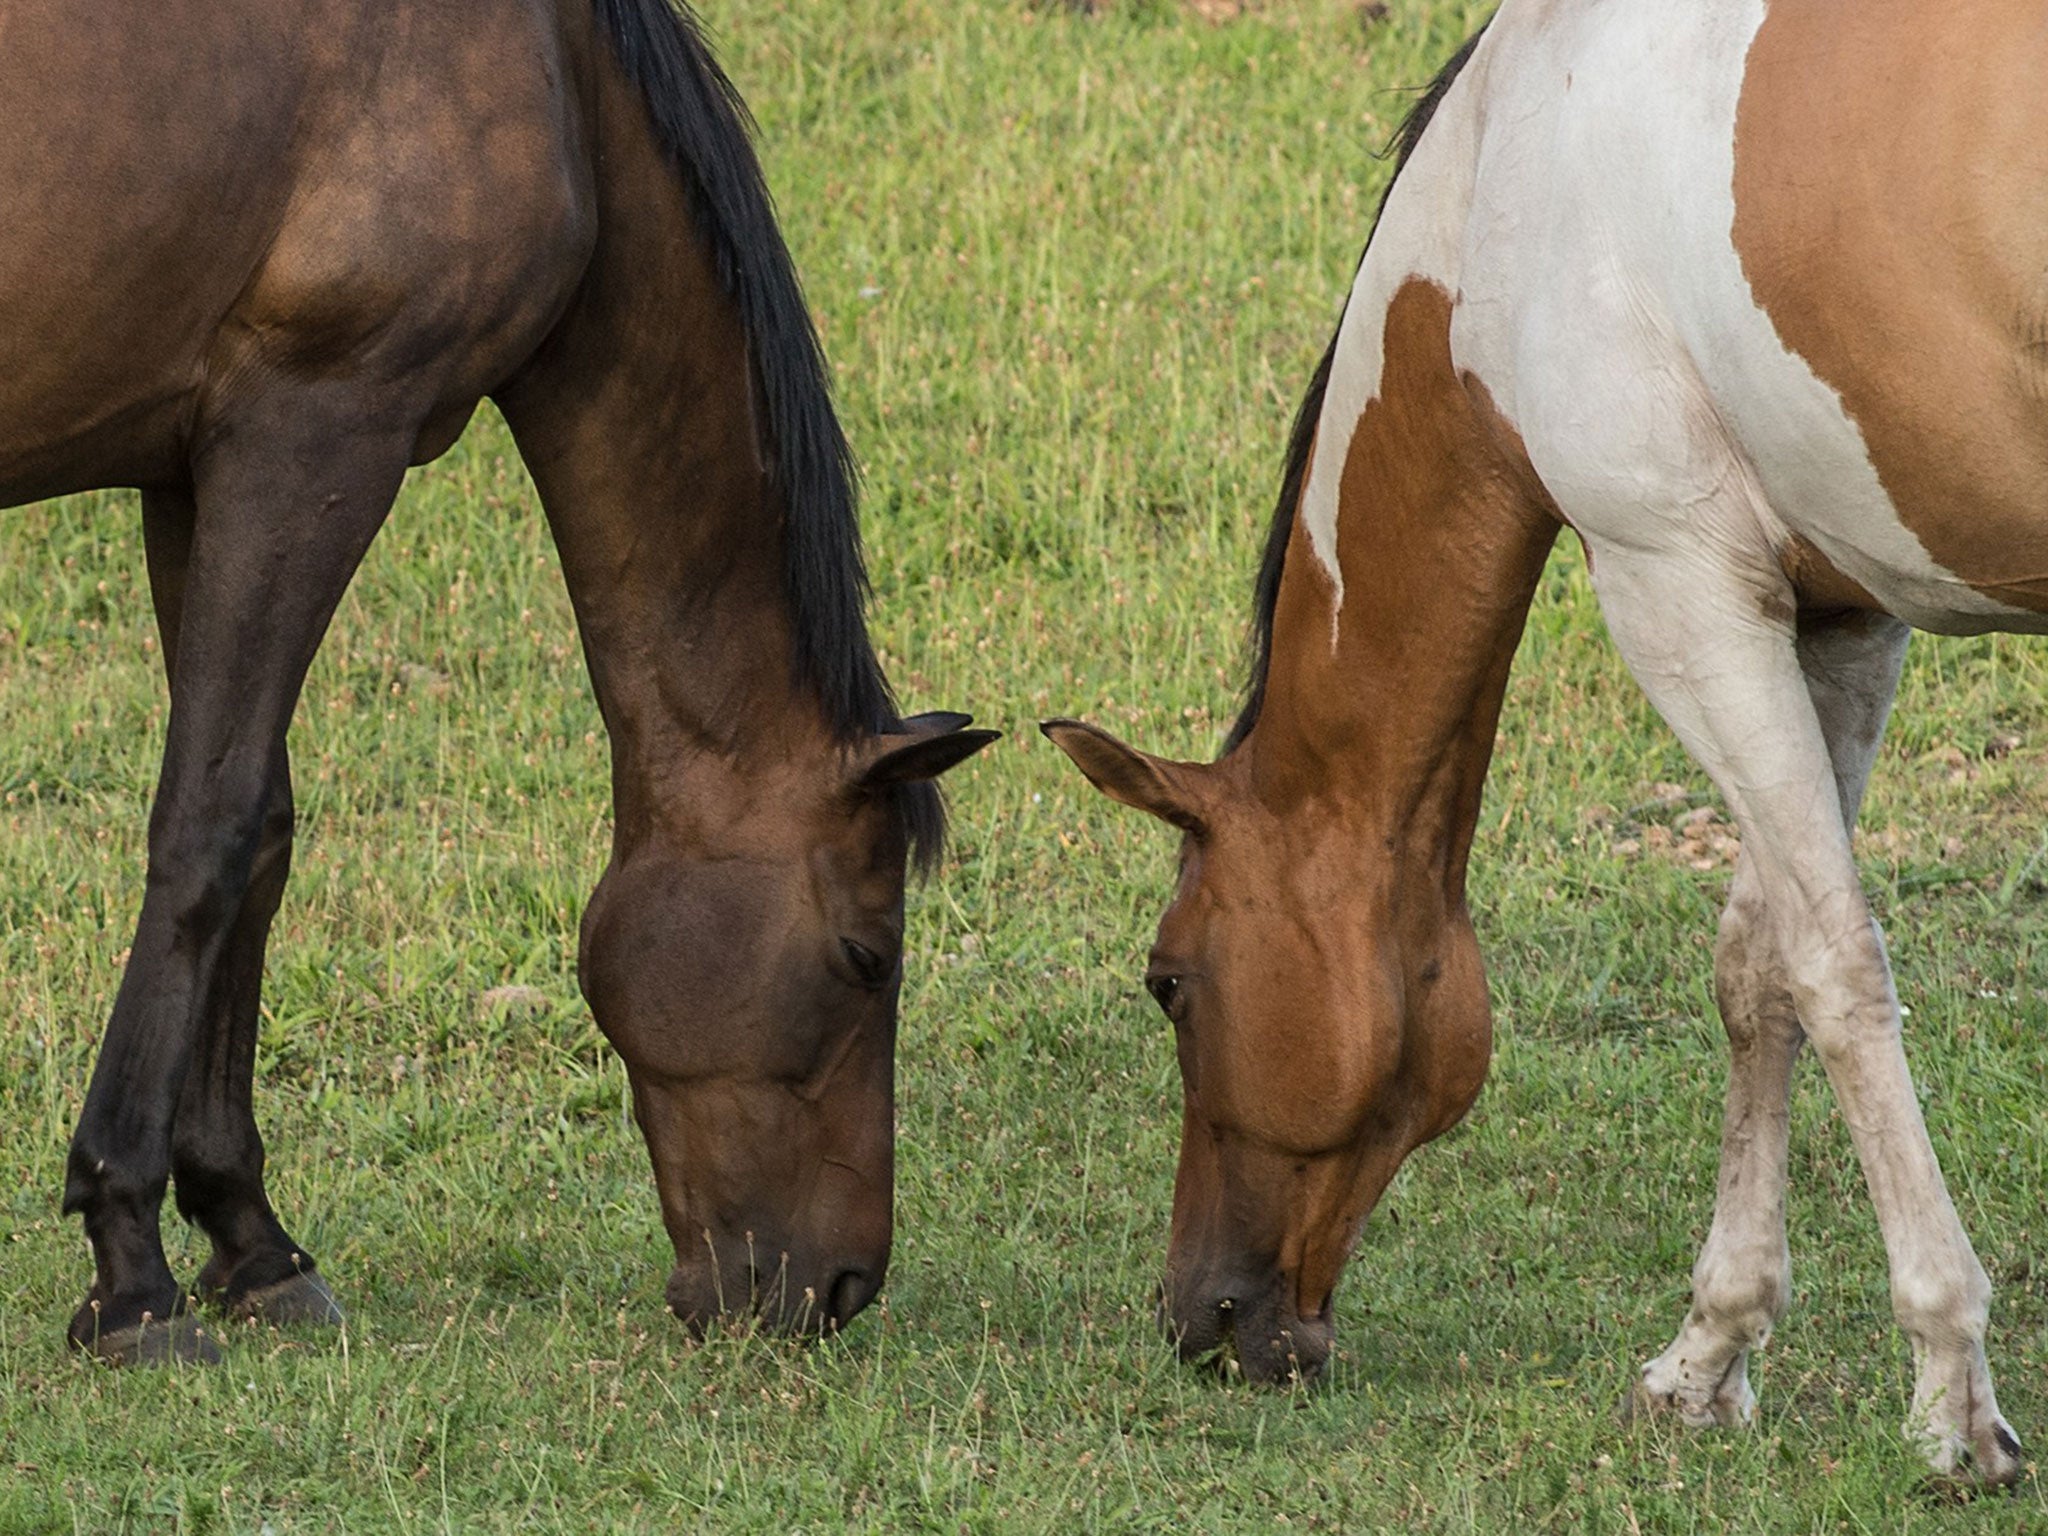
point(274, 1286)
point(176, 1340)
point(301, 1298)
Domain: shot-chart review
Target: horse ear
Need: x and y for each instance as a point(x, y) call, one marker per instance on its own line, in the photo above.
point(923, 747)
point(1174, 792)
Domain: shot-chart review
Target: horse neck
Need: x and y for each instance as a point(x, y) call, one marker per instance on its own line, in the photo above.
point(637, 422)
point(1385, 678)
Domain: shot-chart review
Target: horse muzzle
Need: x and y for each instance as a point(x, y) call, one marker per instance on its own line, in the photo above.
point(1251, 1321)
point(747, 1283)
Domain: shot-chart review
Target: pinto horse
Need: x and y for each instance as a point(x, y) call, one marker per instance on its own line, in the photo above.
point(256, 260)
point(1712, 286)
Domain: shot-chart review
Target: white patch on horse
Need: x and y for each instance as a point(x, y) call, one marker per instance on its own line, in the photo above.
point(1603, 225)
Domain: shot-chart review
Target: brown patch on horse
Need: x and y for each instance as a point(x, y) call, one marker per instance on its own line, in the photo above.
point(1431, 453)
point(1891, 215)
point(1431, 436)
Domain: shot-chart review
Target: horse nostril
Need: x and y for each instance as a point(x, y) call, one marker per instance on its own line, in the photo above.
point(850, 1292)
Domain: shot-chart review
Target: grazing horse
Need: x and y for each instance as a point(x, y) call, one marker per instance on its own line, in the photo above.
point(256, 259)
point(1750, 297)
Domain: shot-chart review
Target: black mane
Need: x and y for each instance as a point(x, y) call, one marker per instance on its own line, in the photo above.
point(707, 132)
point(1266, 593)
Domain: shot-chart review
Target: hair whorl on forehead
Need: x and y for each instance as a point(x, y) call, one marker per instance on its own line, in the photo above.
point(1266, 592)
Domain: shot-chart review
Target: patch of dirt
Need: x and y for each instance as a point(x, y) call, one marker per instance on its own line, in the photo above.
point(1699, 839)
point(1216, 12)
point(519, 1001)
point(1668, 826)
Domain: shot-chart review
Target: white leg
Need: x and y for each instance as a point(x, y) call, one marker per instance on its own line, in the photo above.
point(1743, 1280)
point(1709, 634)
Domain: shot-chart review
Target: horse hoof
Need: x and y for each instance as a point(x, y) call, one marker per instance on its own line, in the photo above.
point(1696, 1400)
point(2000, 1458)
point(300, 1298)
point(178, 1340)
point(1987, 1458)
point(1641, 1403)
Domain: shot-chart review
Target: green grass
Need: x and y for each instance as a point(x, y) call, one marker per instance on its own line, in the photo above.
point(1073, 275)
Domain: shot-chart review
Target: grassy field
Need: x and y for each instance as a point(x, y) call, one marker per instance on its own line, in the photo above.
point(1073, 274)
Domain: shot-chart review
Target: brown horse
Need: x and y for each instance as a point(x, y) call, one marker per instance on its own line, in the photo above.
point(1750, 297)
point(256, 259)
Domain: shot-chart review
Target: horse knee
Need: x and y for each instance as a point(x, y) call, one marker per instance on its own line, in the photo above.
point(200, 869)
point(1846, 1003)
point(273, 858)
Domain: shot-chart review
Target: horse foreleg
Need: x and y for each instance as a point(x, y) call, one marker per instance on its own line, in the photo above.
point(256, 1269)
point(286, 500)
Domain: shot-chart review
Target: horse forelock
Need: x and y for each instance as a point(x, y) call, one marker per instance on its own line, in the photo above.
point(706, 131)
point(1301, 441)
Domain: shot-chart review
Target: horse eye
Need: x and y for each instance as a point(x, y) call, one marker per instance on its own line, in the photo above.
point(870, 967)
point(1164, 990)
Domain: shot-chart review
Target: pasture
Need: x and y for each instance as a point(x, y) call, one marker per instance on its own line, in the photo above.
point(1073, 273)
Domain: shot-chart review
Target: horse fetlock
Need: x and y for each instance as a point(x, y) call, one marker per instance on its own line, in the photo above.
point(103, 1184)
point(1944, 1319)
point(214, 1184)
point(1943, 1313)
point(1739, 1304)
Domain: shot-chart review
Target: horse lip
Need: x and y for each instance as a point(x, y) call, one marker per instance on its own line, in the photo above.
point(1257, 1332)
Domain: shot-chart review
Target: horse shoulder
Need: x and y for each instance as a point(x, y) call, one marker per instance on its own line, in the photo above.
point(440, 209)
